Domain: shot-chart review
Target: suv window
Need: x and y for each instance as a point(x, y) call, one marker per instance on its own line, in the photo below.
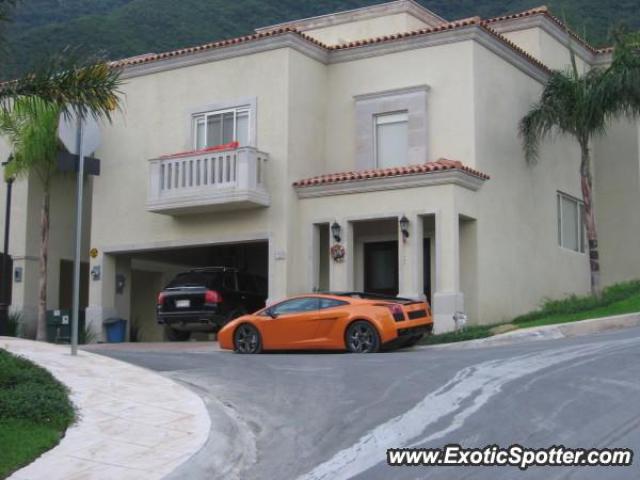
point(330, 303)
point(196, 279)
point(305, 304)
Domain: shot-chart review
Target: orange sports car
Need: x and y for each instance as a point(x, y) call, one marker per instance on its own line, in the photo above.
point(353, 321)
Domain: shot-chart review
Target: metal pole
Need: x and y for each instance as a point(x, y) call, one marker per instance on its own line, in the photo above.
point(75, 314)
point(4, 306)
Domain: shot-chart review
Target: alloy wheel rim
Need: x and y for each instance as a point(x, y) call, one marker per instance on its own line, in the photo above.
point(246, 339)
point(361, 339)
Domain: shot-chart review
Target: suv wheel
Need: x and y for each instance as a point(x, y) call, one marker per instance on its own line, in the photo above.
point(174, 335)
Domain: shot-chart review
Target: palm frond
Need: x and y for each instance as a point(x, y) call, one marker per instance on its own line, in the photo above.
point(89, 86)
point(32, 128)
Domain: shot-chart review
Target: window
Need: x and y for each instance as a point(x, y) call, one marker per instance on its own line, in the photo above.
point(296, 305)
point(392, 139)
point(570, 223)
point(220, 127)
point(331, 303)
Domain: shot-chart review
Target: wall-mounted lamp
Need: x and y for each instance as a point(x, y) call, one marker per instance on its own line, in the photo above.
point(404, 227)
point(335, 231)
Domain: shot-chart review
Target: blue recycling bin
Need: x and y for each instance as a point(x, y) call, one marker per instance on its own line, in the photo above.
point(116, 330)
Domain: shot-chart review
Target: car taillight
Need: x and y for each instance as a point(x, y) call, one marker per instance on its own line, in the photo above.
point(161, 296)
point(211, 296)
point(396, 311)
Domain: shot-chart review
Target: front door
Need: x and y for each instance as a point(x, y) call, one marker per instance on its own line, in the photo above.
point(381, 267)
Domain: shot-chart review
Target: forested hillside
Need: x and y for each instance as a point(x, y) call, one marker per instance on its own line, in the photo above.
point(122, 28)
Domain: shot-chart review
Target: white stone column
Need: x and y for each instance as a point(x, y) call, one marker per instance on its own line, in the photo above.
point(341, 273)
point(101, 294)
point(410, 259)
point(447, 298)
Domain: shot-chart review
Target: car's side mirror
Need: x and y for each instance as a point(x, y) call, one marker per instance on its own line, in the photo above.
point(271, 313)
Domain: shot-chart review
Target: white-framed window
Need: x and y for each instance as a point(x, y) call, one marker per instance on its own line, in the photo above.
point(221, 127)
point(391, 139)
point(571, 233)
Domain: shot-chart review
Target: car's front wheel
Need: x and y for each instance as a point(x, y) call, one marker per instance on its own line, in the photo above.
point(362, 337)
point(246, 339)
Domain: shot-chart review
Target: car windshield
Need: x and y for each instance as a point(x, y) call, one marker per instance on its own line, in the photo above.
point(196, 279)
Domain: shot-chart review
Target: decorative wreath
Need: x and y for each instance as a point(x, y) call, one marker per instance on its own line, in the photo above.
point(337, 252)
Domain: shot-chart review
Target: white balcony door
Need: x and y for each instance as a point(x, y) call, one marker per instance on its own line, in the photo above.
point(221, 127)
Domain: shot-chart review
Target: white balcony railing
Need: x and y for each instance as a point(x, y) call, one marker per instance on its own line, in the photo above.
point(204, 180)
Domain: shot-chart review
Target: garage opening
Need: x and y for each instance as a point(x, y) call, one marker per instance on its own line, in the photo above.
point(141, 276)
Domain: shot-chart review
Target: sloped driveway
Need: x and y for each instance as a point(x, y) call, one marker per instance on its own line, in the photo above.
point(332, 416)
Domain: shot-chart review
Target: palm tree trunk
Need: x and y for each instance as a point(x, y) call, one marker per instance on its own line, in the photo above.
point(41, 332)
point(589, 217)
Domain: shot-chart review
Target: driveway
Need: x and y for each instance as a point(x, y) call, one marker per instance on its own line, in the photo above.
point(332, 416)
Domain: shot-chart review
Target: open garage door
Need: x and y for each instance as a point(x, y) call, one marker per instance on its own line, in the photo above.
point(152, 270)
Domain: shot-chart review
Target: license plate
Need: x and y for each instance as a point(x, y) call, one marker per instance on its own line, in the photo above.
point(183, 303)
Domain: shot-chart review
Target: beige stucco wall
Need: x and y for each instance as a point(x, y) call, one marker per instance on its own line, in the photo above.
point(617, 200)
point(366, 28)
point(546, 48)
point(519, 262)
point(445, 69)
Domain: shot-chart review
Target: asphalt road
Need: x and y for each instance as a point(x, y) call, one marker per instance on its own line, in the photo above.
point(333, 416)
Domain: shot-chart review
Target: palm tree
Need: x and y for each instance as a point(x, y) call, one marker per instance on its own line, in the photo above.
point(30, 108)
point(32, 128)
point(582, 106)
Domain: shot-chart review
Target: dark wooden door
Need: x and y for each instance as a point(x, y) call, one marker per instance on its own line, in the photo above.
point(381, 267)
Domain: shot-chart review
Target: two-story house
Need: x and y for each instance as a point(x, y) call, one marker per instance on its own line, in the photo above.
point(387, 130)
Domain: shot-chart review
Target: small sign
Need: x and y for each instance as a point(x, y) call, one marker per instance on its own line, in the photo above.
point(65, 320)
point(93, 253)
point(56, 313)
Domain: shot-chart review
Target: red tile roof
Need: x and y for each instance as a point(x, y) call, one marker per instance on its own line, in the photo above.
point(543, 10)
point(153, 57)
point(440, 165)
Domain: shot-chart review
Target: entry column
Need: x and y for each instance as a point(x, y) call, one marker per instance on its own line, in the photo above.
point(102, 293)
point(410, 261)
point(447, 298)
point(341, 270)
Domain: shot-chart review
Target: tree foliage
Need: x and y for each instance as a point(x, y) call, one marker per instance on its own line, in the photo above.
point(130, 27)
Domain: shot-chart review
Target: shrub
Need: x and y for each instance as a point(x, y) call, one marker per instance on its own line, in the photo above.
point(31, 393)
point(576, 304)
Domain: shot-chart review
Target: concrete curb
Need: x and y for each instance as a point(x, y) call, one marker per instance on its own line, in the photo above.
point(132, 423)
point(548, 332)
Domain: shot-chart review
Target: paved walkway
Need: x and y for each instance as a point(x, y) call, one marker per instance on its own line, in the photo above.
point(132, 423)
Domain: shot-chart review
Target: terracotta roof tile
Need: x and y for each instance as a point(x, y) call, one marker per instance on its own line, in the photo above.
point(148, 58)
point(440, 165)
point(543, 10)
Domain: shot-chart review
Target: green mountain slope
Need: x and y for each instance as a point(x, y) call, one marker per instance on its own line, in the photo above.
point(120, 28)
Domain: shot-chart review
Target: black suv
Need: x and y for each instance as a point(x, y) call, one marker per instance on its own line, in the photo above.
point(204, 299)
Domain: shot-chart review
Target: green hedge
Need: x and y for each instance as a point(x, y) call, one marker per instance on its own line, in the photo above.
point(31, 393)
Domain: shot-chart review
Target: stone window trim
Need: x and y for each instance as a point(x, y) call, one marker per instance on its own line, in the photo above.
point(246, 102)
point(412, 100)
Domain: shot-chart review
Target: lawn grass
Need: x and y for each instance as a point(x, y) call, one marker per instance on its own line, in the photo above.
point(615, 300)
point(35, 411)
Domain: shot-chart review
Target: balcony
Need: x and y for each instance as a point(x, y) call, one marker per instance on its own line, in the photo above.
point(209, 180)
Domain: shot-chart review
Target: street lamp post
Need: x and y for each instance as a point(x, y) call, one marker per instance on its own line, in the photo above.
point(4, 305)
